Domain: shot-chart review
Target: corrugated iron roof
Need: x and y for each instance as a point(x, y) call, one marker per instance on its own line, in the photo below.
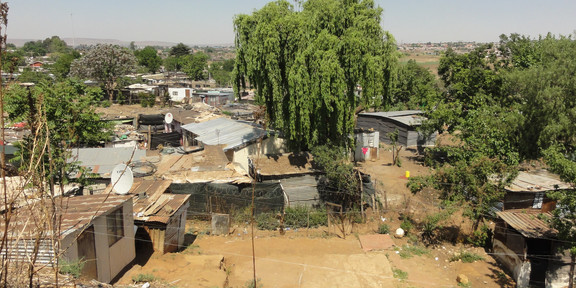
point(103, 160)
point(406, 117)
point(225, 131)
point(75, 212)
point(151, 203)
point(528, 223)
point(537, 181)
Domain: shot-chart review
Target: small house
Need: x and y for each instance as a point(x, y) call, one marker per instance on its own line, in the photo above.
point(159, 216)
point(523, 240)
point(238, 139)
point(94, 229)
point(405, 122)
point(367, 144)
point(180, 95)
point(214, 98)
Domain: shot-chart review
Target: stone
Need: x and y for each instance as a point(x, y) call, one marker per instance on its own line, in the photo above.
point(462, 279)
point(399, 233)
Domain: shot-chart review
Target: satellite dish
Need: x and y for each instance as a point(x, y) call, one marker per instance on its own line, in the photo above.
point(168, 118)
point(122, 179)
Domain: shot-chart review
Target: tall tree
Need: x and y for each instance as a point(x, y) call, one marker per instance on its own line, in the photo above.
point(61, 67)
point(416, 87)
point(105, 63)
point(194, 65)
point(307, 66)
point(180, 50)
point(60, 114)
point(149, 58)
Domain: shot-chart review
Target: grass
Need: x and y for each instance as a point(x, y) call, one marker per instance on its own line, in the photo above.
point(72, 268)
point(142, 278)
point(467, 257)
point(399, 274)
point(383, 229)
point(408, 251)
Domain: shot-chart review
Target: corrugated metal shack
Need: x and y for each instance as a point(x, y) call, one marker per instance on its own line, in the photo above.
point(231, 134)
point(523, 240)
point(406, 122)
point(96, 229)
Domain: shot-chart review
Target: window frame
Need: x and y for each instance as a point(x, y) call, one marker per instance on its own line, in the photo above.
point(115, 226)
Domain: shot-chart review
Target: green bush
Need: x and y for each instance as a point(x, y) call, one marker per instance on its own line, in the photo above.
point(408, 251)
point(147, 99)
point(406, 225)
point(399, 274)
point(302, 217)
point(105, 103)
point(383, 229)
point(141, 278)
point(72, 268)
point(480, 237)
point(266, 221)
point(254, 284)
point(467, 257)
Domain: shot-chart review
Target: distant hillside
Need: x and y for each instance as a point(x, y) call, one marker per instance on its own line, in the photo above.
point(93, 41)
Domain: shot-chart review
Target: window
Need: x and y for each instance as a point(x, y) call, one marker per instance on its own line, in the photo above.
point(538, 199)
point(174, 93)
point(115, 225)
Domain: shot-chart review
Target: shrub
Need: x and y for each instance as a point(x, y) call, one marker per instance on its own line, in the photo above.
point(140, 278)
point(254, 284)
point(383, 229)
point(409, 251)
point(72, 268)
point(466, 257)
point(105, 103)
point(399, 274)
point(480, 237)
point(266, 221)
point(406, 225)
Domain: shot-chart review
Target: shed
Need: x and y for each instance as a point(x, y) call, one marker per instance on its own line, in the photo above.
point(95, 229)
point(528, 190)
point(406, 122)
point(523, 241)
point(160, 216)
point(231, 134)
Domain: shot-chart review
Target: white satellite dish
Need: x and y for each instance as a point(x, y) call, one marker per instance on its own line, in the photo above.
point(168, 118)
point(122, 179)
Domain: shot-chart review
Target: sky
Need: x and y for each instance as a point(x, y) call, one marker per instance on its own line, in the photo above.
point(209, 22)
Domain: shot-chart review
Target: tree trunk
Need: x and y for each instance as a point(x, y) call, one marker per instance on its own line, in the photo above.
point(571, 274)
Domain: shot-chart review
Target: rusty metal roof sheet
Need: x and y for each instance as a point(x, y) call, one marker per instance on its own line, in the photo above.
point(75, 212)
point(537, 181)
point(527, 223)
point(152, 204)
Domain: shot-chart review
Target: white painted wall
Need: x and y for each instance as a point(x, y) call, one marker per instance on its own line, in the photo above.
point(272, 145)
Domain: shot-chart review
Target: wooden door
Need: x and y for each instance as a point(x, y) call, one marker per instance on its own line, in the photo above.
point(87, 253)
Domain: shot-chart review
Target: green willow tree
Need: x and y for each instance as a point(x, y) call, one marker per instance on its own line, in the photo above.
point(314, 68)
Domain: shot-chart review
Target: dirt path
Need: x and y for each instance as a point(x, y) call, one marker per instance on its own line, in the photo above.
point(314, 258)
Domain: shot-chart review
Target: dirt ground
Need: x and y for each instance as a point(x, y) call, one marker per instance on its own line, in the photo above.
point(319, 258)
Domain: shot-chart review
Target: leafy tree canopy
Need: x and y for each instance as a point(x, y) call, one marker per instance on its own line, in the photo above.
point(416, 87)
point(60, 116)
point(307, 66)
point(104, 63)
point(149, 58)
point(180, 50)
point(194, 65)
